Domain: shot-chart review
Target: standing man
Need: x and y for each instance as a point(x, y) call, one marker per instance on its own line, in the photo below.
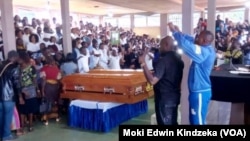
point(167, 82)
point(203, 56)
point(9, 83)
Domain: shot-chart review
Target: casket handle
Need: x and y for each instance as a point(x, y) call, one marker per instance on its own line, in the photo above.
point(79, 88)
point(109, 90)
point(138, 90)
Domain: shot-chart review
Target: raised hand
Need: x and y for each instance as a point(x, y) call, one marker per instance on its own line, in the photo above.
point(171, 27)
point(177, 28)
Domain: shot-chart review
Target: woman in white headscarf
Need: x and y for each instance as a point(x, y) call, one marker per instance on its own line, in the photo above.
point(114, 60)
point(103, 62)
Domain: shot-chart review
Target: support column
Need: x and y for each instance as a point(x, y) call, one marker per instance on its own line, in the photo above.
point(247, 13)
point(163, 25)
point(211, 14)
point(101, 20)
point(132, 21)
point(187, 27)
point(8, 30)
point(202, 14)
point(67, 41)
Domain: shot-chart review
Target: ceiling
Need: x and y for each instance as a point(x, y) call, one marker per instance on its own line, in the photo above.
point(121, 7)
point(77, 6)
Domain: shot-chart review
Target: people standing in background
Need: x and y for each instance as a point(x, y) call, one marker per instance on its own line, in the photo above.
point(19, 33)
point(57, 47)
point(69, 66)
point(94, 55)
point(34, 26)
point(40, 33)
point(103, 62)
point(203, 55)
point(33, 46)
point(83, 61)
point(114, 60)
point(46, 37)
point(19, 45)
point(234, 53)
point(218, 23)
point(26, 35)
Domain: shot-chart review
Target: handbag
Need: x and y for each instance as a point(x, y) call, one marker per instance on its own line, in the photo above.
point(29, 91)
point(45, 106)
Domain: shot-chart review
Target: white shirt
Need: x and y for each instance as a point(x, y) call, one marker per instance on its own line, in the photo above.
point(33, 47)
point(74, 36)
point(123, 41)
point(40, 37)
point(114, 62)
point(103, 62)
point(26, 39)
point(46, 43)
point(95, 58)
point(33, 30)
point(83, 64)
point(59, 47)
point(77, 52)
point(149, 60)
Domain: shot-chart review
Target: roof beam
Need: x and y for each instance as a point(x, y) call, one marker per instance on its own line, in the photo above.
point(227, 8)
point(141, 13)
point(179, 2)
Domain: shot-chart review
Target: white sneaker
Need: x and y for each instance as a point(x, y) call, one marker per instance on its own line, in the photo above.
point(57, 119)
point(46, 123)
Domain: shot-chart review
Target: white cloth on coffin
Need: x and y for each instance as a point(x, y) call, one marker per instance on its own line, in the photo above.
point(104, 106)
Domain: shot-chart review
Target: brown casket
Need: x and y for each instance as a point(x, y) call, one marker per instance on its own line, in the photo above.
point(105, 86)
point(123, 71)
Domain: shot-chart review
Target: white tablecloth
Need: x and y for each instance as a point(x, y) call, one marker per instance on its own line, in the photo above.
point(94, 104)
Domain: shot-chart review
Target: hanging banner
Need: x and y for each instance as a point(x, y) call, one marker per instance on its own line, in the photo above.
point(115, 38)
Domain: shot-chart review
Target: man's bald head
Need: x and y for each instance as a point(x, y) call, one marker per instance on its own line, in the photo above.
point(205, 38)
point(166, 44)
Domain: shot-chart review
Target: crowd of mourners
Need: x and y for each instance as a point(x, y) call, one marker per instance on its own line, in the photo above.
point(42, 62)
point(232, 40)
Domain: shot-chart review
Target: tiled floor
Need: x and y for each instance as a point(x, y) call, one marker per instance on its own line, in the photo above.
point(61, 132)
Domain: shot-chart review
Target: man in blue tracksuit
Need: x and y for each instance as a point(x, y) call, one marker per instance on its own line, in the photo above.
point(203, 55)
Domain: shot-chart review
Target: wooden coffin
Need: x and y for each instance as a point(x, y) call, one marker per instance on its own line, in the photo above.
point(123, 71)
point(107, 87)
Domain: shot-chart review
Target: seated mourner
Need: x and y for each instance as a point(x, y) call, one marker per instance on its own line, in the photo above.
point(234, 52)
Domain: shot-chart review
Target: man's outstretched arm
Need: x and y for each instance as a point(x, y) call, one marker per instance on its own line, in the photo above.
point(190, 49)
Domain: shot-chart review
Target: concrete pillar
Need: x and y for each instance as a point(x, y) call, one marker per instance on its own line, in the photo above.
point(8, 30)
point(101, 20)
point(247, 13)
point(202, 14)
point(67, 42)
point(132, 21)
point(163, 25)
point(211, 16)
point(187, 27)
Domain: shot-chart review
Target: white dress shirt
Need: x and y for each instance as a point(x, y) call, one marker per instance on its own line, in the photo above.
point(33, 47)
point(83, 63)
point(114, 62)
